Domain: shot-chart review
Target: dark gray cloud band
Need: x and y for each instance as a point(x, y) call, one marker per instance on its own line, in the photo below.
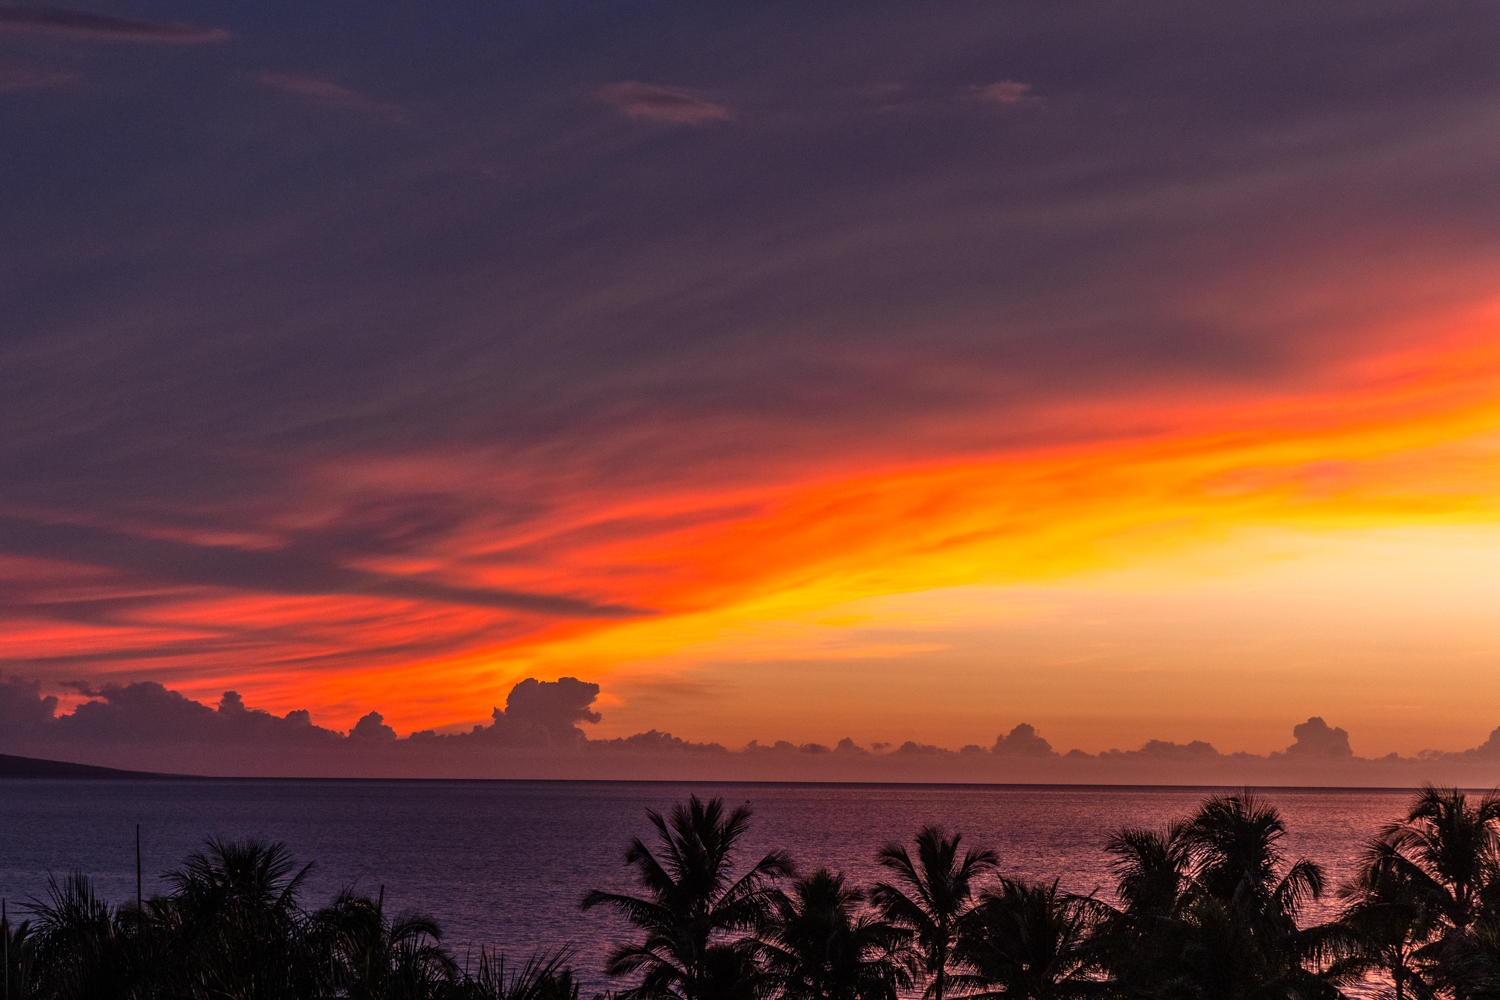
point(275, 572)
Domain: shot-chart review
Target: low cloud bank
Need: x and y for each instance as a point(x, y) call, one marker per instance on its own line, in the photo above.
point(538, 734)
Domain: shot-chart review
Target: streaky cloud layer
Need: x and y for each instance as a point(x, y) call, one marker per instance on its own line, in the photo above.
point(666, 104)
point(100, 28)
point(632, 339)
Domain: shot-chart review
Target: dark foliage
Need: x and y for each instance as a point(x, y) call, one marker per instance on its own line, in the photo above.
point(818, 945)
point(1030, 941)
point(699, 917)
point(932, 897)
point(1209, 908)
point(234, 928)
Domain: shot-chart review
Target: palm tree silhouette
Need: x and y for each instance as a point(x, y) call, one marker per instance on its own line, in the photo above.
point(1233, 841)
point(819, 947)
point(931, 897)
point(238, 878)
point(1150, 869)
point(1142, 940)
point(78, 946)
point(1209, 907)
point(1029, 942)
point(1450, 849)
point(1244, 902)
point(1387, 918)
point(694, 906)
point(19, 947)
point(543, 976)
point(236, 926)
point(1425, 904)
point(379, 958)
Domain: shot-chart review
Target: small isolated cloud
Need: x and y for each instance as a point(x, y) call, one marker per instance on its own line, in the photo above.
point(17, 77)
point(99, 28)
point(663, 104)
point(1005, 92)
point(326, 93)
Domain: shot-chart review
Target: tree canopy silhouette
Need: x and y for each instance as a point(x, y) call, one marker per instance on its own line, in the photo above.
point(695, 900)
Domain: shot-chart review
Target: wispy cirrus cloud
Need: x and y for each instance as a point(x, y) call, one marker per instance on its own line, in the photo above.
point(101, 28)
point(663, 104)
point(1005, 92)
point(286, 572)
point(734, 375)
point(328, 94)
point(16, 76)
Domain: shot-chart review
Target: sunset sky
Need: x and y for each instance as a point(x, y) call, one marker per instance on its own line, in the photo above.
point(792, 371)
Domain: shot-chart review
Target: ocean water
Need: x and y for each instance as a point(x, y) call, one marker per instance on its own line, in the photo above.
point(503, 864)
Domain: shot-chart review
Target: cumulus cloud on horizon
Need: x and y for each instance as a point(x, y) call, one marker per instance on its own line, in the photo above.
point(545, 718)
point(1316, 738)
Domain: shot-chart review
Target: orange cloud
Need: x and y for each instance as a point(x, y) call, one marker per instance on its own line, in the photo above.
point(1403, 435)
point(1411, 438)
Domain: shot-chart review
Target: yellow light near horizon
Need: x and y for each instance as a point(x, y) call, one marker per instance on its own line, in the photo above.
point(1339, 624)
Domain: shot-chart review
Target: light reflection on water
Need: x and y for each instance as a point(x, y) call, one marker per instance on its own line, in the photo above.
point(503, 864)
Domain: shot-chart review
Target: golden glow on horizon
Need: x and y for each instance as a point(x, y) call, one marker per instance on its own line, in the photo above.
point(1252, 633)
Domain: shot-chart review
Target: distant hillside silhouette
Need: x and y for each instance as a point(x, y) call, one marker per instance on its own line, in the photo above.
point(35, 767)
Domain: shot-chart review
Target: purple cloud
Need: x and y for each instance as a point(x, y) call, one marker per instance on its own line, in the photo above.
point(1315, 738)
point(1005, 92)
point(145, 726)
point(663, 104)
point(1023, 739)
point(327, 94)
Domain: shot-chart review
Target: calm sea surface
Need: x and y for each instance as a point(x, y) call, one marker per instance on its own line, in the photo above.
point(503, 864)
